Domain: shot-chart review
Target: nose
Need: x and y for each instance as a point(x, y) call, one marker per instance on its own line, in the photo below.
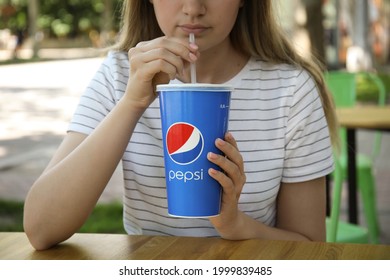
point(194, 8)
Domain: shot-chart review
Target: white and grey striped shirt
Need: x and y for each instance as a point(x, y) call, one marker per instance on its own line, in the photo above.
point(276, 117)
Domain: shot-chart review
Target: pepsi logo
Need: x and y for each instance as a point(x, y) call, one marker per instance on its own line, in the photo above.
point(184, 143)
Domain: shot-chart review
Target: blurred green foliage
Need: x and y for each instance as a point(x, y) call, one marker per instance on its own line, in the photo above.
point(367, 91)
point(60, 18)
point(105, 218)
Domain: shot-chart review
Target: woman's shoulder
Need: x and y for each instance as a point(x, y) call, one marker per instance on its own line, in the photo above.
point(115, 68)
point(117, 59)
point(276, 73)
point(274, 67)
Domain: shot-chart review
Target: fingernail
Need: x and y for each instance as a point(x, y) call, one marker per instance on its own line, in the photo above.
point(212, 171)
point(228, 135)
point(194, 46)
point(193, 57)
point(220, 142)
point(212, 155)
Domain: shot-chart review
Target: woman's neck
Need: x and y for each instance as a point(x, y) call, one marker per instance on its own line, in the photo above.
point(217, 66)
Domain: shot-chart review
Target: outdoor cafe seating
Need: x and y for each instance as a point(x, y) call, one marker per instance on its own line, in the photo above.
point(343, 88)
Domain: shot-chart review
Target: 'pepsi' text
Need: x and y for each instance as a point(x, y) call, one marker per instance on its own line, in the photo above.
point(186, 176)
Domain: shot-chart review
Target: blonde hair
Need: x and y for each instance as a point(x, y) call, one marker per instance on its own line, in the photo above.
point(255, 33)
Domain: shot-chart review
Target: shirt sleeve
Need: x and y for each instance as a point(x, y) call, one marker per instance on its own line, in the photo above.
point(308, 151)
point(97, 100)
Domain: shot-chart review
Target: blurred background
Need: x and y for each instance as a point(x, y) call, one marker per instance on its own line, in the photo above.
point(327, 27)
point(49, 50)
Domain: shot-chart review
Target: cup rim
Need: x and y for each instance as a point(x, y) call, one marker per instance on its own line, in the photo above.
point(198, 86)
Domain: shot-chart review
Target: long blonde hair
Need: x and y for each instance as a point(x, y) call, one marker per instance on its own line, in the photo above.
point(255, 33)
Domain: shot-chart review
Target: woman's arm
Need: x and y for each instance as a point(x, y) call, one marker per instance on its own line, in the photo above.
point(302, 208)
point(62, 198)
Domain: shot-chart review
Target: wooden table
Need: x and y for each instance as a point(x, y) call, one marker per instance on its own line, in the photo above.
point(368, 117)
point(15, 246)
point(359, 117)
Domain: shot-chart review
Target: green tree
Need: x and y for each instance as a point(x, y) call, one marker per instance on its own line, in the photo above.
point(59, 18)
point(13, 14)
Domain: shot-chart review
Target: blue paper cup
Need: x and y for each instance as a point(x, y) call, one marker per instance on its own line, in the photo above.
point(193, 116)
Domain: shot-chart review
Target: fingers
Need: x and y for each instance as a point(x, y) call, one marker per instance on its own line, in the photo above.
point(156, 62)
point(232, 162)
point(188, 52)
point(149, 64)
point(161, 55)
point(233, 178)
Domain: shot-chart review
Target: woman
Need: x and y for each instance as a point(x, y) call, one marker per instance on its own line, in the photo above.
point(281, 118)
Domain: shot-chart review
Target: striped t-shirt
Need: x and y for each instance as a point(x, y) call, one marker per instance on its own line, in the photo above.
point(276, 117)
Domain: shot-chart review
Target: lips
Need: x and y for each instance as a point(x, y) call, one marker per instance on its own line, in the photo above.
point(193, 28)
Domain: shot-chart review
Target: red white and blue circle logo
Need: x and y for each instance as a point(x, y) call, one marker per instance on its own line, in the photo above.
point(184, 143)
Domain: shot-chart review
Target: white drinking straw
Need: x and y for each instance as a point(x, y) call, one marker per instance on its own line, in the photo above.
point(193, 66)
